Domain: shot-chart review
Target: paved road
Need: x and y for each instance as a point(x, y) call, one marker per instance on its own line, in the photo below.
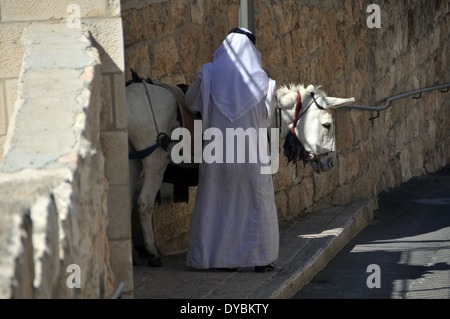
point(408, 242)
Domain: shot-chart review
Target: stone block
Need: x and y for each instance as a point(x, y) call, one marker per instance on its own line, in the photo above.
point(108, 39)
point(285, 177)
point(79, 63)
point(361, 189)
point(190, 38)
point(342, 195)
point(45, 238)
point(306, 194)
point(405, 164)
point(344, 131)
point(119, 225)
point(11, 49)
point(156, 19)
point(274, 54)
point(178, 13)
point(286, 43)
point(2, 144)
point(263, 25)
point(113, 8)
point(353, 165)
point(342, 166)
point(232, 13)
point(11, 89)
point(121, 263)
point(308, 13)
point(294, 198)
point(115, 150)
point(3, 112)
point(281, 202)
point(417, 160)
point(120, 105)
point(412, 124)
point(27, 10)
point(336, 60)
point(430, 134)
point(164, 55)
point(328, 27)
point(16, 262)
point(324, 184)
point(137, 57)
point(132, 26)
point(300, 45)
point(197, 11)
point(107, 112)
point(286, 15)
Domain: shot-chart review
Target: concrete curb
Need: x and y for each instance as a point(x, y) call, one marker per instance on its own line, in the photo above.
point(351, 220)
point(307, 244)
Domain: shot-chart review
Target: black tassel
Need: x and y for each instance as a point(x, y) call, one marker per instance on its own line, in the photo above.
point(293, 149)
point(135, 78)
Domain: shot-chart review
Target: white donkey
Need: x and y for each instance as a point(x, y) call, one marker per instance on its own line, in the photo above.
point(313, 141)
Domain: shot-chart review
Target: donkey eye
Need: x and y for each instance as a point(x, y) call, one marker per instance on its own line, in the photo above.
point(327, 125)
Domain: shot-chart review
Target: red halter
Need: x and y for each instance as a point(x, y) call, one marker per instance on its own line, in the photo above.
point(298, 107)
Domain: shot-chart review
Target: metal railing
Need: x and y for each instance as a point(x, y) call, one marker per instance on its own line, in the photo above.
point(397, 97)
point(118, 291)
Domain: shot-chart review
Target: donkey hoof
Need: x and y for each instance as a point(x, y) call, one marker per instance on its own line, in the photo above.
point(154, 261)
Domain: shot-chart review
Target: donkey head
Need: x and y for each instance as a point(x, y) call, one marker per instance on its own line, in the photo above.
point(307, 124)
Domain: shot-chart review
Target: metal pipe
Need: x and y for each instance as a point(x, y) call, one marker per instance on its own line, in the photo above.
point(247, 15)
point(397, 97)
point(118, 291)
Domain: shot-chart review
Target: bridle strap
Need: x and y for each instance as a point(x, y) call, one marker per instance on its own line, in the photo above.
point(298, 107)
point(320, 107)
point(297, 117)
point(163, 140)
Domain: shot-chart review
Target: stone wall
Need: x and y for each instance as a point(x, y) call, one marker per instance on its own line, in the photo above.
point(329, 43)
point(103, 20)
point(169, 40)
point(326, 43)
point(52, 179)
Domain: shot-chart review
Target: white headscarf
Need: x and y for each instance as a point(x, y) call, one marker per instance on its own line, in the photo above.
point(235, 80)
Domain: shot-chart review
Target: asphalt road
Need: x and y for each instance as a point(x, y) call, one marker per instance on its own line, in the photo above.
point(403, 253)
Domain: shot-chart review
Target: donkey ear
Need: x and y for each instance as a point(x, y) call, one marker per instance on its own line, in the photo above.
point(310, 88)
point(335, 102)
point(286, 97)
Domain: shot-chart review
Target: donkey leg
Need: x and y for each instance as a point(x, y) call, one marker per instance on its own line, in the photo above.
point(146, 205)
point(154, 168)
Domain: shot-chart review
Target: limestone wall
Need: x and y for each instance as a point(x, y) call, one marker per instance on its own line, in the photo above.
point(52, 179)
point(326, 43)
point(330, 43)
point(170, 40)
point(103, 20)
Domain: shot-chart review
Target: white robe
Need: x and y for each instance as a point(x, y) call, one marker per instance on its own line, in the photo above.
point(234, 223)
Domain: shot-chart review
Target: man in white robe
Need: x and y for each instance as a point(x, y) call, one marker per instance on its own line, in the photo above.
point(234, 223)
